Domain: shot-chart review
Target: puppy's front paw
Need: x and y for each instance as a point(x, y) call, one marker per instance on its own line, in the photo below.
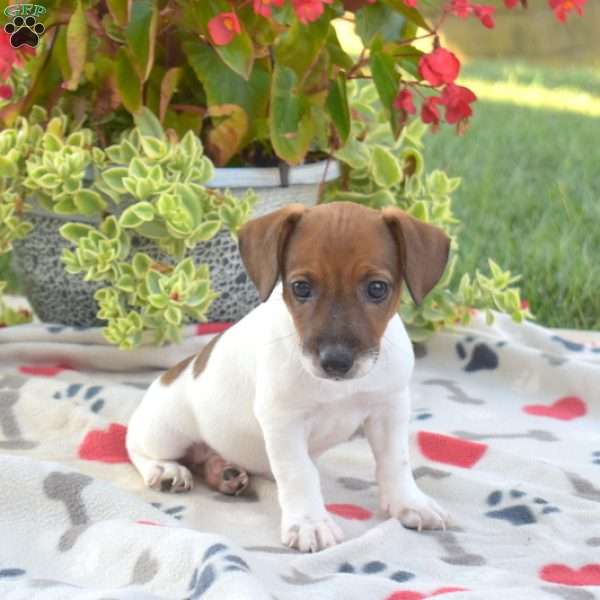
point(309, 534)
point(415, 510)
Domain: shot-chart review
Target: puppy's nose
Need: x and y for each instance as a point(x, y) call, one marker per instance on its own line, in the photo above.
point(336, 359)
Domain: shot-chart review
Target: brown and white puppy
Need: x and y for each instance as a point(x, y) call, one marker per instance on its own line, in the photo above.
point(324, 354)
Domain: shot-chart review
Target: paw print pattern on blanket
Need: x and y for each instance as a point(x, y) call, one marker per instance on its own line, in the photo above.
point(481, 356)
point(174, 511)
point(90, 395)
point(376, 567)
point(520, 513)
point(214, 563)
point(596, 457)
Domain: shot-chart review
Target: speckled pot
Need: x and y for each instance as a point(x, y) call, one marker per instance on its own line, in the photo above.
point(58, 297)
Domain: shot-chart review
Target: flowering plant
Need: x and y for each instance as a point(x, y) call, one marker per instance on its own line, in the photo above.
point(259, 80)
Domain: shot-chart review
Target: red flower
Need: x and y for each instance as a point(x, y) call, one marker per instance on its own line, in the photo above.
point(410, 3)
point(6, 92)
point(223, 28)
point(263, 7)
point(308, 11)
point(9, 57)
point(430, 112)
point(510, 3)
point(441, 66)
point(562, 7)
point(457, 100)
point(485, 14)
point(404, 101)
point(460, 8)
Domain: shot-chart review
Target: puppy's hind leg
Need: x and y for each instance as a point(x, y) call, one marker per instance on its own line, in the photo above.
point(159, 433)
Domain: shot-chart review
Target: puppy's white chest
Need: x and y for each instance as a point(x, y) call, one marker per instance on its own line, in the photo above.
point(329, 426)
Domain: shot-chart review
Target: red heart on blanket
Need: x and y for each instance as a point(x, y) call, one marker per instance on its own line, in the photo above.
point(450, 450)
point(105, 446)
point(216, 327)
point(587, 575)
point(410, 595)
point(565, 409)
point(349, 511)
point(43, 370)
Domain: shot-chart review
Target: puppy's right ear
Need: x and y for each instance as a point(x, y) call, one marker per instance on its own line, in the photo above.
point(262, 244)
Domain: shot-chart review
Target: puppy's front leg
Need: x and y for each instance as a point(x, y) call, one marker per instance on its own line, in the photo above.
point(387, 431)
point(305, 522)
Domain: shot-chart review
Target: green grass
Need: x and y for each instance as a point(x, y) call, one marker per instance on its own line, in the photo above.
point(530, 196)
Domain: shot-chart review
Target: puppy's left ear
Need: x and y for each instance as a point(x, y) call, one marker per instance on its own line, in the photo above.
point(423, 251)
point(262, 244)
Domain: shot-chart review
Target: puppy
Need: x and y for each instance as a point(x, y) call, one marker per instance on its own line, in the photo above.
point(323, 355)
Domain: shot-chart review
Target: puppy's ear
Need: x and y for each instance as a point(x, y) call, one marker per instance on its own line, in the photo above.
point(423, 251)
point(262, 244)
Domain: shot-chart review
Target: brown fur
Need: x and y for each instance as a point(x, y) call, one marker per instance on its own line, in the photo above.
point(168, 377)
point(204, 354)
point(200, 362)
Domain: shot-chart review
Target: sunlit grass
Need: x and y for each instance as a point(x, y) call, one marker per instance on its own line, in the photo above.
point(564, 99)
point(530, 197)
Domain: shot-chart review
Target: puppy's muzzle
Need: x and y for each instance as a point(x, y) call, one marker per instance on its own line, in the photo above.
point(336, 360)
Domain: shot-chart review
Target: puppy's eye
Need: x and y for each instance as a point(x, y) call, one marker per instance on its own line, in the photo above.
point(302, 290)
point(377, 290)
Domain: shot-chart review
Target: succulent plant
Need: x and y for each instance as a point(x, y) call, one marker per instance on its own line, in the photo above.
point(148, 186)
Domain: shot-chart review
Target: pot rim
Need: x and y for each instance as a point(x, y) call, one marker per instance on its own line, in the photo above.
point(267, 177)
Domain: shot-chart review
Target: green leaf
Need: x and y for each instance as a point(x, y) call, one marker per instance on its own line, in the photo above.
point(223, 86)
point(136, 214)
point(173, 315)
point(128, 83)
point(119, 10)
point(290, 122)
point(141, 35)
point(378, 20)
point(75, 231)
point(168, 86)
point(386, 81)
point(300, 45)
point(412, 14)
point(66, 206)
point(337, 106)
point(385, 167)
point(207, 230)
point(141, 264)
point(148, 123)
point(355, 154)
point(77, 39)
point(7, 168)
point(89, 202)
point(114, 178)
point(226, 137)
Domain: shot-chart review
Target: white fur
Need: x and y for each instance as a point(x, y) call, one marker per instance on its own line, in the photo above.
point(259, 406)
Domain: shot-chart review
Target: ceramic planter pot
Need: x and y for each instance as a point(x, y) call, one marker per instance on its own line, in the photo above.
point(58, 297)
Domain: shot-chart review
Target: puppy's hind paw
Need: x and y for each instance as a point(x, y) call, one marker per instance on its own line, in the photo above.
point(170, 477)
point(311, 535)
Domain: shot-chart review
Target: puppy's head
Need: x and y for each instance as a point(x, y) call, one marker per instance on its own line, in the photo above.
point(342, 267)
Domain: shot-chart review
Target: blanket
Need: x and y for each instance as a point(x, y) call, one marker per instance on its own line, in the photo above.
point(504, 434)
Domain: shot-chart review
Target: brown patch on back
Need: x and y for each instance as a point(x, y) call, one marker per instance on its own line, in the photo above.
point(173, 373)
point(204, 354)
point(200, 362)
